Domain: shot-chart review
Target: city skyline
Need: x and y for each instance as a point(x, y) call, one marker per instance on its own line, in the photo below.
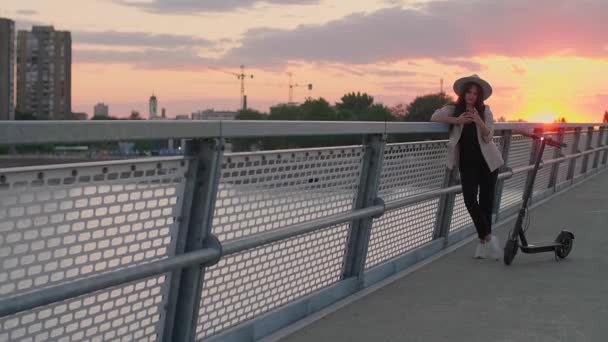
point(545, 59)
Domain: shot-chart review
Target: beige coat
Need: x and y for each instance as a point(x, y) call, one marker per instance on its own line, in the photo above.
point(489, 150)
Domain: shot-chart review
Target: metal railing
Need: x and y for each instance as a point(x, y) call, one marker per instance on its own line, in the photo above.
point(234, 246)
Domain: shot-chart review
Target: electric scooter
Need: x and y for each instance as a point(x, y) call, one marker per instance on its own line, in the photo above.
point(517, 238)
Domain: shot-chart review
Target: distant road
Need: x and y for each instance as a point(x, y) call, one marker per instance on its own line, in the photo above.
point(11, 161)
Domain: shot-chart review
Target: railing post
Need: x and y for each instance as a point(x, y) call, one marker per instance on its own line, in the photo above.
point(605, 155)
point(446, 207)
point(574, 150)
point(194, 233)
point(533, 153)
point(600, 139)
point(360, 230)
point(557, 153)
point(506, 147)
point(587, 147)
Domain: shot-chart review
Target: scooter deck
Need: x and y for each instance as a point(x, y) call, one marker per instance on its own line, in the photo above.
point(540, 248)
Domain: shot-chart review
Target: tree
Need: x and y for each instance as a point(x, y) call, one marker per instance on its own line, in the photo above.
point(135, 115)
point(285, 112)
point(398, 110)
point(377, 112)
point(250, 114)
point(317, 110)
point(353, 105)
point(605, 120)
point(103, 117)
point(560, 120)
point(501, 119)
point(422, 107)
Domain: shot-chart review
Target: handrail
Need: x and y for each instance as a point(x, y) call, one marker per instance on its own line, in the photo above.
point(38, 132)
point(65, 291)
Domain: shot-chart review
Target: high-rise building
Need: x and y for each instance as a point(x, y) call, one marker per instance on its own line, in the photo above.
point(44, 72)
point(153, 107)
point(101, 109)
point(7, 69)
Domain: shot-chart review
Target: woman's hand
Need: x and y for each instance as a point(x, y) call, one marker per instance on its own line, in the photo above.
point(464, 118)
point(474, 117)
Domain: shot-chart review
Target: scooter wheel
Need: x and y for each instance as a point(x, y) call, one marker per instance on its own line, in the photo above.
point(510, 250)
point(566, 242)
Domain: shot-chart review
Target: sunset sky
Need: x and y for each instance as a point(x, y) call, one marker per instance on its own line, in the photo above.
point(544, 58)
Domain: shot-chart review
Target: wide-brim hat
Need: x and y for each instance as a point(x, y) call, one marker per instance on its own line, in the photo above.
point(485, 86)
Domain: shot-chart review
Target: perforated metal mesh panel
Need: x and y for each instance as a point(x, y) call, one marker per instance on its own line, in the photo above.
point(131, 312)
point(62, 223)
point(412, 168)
point(519, 155)
point(594, 144)
point(562, 174)
point(268, 190)
point(582, 143)
point(401, 230)
point(253, 282)
point(460, 215)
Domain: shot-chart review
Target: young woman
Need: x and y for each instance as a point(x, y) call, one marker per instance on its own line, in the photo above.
point(472, 150)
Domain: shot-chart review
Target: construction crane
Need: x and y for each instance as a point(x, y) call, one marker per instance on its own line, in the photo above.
point(241, 77)
point(292, 85)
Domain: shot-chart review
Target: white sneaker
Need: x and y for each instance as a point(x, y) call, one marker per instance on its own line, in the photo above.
point(480, 250)
point(496, 251)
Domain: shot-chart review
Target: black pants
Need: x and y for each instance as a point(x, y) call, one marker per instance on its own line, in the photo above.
point(475, 177)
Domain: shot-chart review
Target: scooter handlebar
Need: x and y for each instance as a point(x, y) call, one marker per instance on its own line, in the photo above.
point(548, 140)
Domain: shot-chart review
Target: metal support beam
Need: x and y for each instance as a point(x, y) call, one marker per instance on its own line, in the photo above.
point(604, 143)
point(446, 207)
point(360, 230)
point(600, 143)
point(506, 147)
point(587, 147)
point(196, 219)
point(573, 150)
point(556, 154)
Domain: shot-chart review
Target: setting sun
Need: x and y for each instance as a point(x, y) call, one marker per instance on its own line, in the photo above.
point(543, 117)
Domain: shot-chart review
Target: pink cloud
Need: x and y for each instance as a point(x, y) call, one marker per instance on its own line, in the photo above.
point(441, 29)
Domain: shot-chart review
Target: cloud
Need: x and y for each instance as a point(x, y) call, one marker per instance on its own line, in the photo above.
point(463, 63)
point(139, 39)
point(438, 30)
point(173, 59)
point(518, 70)
point(27, 12)
point(201, 6)
point(503, 89)
point(418, 88)
point(368, 70)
